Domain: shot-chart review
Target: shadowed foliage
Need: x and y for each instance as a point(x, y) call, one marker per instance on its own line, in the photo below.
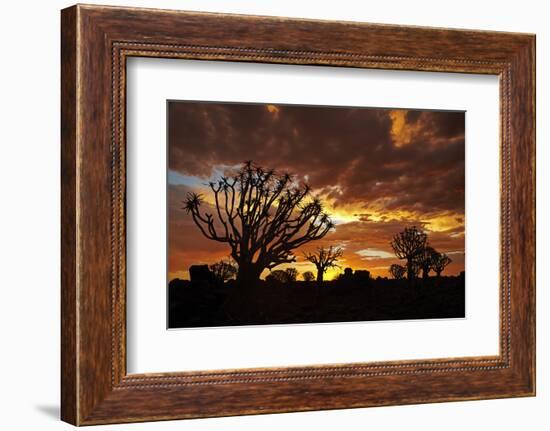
point(223, 270)
point(397, 271)
point(285, 276)
point(425, 259)
point(440, 261)
point(291, 274)
point(308, 276)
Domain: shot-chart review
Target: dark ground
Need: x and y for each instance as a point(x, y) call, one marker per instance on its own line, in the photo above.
point(193, 305)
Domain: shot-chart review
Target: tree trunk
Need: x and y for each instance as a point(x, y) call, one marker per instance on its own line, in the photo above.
point(248, 275)
point(438, 273)
point(242, 302)
point(320, 274)
point(410, 271)
point(425, 273)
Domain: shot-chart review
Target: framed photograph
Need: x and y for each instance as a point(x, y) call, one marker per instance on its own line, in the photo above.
point(265, 215)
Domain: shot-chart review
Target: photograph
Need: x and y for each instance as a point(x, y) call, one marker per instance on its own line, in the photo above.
point(294, 214)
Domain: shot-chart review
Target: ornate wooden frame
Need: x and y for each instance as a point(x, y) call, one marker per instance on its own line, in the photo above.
point(96, 41)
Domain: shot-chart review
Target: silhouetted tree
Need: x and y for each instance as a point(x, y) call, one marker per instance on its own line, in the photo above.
point(291, 274)
point(287, 275)
point(324, 259)
point(277, 275)
point(223, 270)
point(397, 271)
point(407, 245)
point(441, 260)
point(262, 216)
point(425, 259)
point(308, 276)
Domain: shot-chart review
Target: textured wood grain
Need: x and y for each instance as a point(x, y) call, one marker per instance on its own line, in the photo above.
point(69, 366)
point(96, 41)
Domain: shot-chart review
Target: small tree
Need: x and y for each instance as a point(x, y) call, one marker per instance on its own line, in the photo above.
point(440, 262)
point(425, 259)
point(283, 276)
point(308, 276)
point(407, 245)
point(277, 276)
point(223, 270)
point(397, 271)
point(291, 274)
point(324, 259)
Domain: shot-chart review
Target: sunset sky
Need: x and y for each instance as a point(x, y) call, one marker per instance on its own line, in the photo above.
point(377, 171)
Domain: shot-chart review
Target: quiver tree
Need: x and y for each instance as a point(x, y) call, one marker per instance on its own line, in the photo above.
point(324, 259)
point(440, 261)
point(408, 245)
point(262, 216)
point(425, 259)
point(223, 270)
point(397, 271)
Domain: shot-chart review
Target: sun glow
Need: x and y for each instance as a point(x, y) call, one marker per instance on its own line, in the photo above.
point(446, 222)
point(402, 131)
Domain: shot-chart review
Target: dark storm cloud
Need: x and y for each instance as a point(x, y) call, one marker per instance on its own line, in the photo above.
point(350, 154)
point(447, 124)
point(444, 124)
